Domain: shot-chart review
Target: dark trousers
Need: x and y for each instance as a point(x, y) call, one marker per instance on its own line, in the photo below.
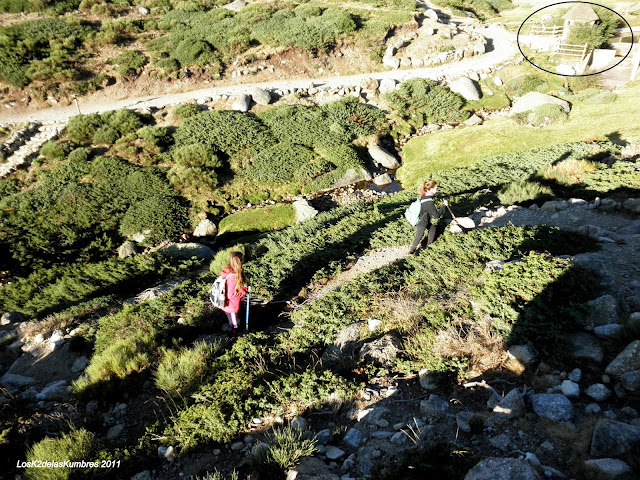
point(422, 226)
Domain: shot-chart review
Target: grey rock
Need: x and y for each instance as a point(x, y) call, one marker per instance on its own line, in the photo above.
point(497, 81)
point(155, 292)
point(473, 120)
point(127, 249)
point(11, 317)
point(58, 390)
point(405, 62)
point(353, 438)
point(381, 352)
point(387, 84)
point(372, 415)
point(434, 406)
point(188, 250)
point(334, 453)
point(467, 88)
point(613, 439)
point(608, 467)
point(235, 6)
point(304, 211)
point(80, 364)
point(501, 442)
point(311, 468)
point(632, 204)
point(144, 475)
point(522, 353)
point(598, 392)
point(323, 437)
point(260, 96)
point(464, 421)
point(399, 438)
point(609, 331)
point(206, 228)
point(115, 431)
point(552, 406)
point(428, 380)
point(549, 206)
point(382, 180)
point(237, 446)
point(495, 468)
point(592, 409)
point(391, 62)
point(575, 375)
point(299, 423)
point(352, 176)
point(382, 157)
point(602, 311)
point(241, 103)
point(570, 389)
point(631, 380)
point(511, 406)
point(585, 346)
point(532, 100)
point(430, 13)
point(626, 361)
point(18, 381)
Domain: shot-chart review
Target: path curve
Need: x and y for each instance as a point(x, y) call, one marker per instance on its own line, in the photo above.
point(504, 47)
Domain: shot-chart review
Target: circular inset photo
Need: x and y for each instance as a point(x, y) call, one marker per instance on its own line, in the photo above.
point(575, 39)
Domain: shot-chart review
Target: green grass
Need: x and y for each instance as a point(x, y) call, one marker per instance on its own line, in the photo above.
point(463, 147)
point(263, 219)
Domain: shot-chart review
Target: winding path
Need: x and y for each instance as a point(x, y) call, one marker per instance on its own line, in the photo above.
point(503, 42)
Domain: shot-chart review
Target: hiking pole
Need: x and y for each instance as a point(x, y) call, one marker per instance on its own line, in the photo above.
point(247, 320)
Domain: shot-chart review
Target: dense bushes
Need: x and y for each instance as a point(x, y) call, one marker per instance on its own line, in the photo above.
point(75, 211)
point(103, 128)
point(157, 218)
point(73, 446)
point(419, 101)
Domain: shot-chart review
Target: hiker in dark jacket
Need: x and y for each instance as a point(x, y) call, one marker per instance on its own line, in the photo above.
point(427, 191)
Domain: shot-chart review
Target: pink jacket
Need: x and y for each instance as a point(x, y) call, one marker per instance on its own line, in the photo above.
point(233, 299)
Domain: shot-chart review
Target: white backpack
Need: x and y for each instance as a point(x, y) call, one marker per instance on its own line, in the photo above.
point(218, 292)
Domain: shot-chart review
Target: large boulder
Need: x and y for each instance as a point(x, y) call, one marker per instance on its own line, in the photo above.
point(613, 439)
point(391, 62)
point(155, 292)
point(494, 468)
point(511, 406)
point(127, 249)
point(260, 96)
point(241, 103)
point(381, 352)
point(532, 100)
point(57, 390)
point(553, 406)
point(352, 176)
point(206, 228)
point(585, 346)
point(602, 311)
point(431, 14)
point(466, 87)
point(235, 6)
point(382, 157)
point(387, 84)
point(608, 467)
point(304, 211)
point(627, 361)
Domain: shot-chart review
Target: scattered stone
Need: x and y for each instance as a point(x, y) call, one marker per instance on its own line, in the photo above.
point(497, 81)
point(237, 446)
point(430, 13)
point(511, 406)
point(260, 96)
point(631, 380)
point(58, 390)
point(188, 250)
point(11, 317)
point(391, 62)
point(206, 228)
point(323, 437)
point(144, 475)
point(532, 100)
point(428, 380)
point(299, 423)
point(80, 364)
point(115, 431)
point(632, 204)
point(143, 11)
point(241, 103)
point(570, 389)
point(628, 360)
point(473, 120)
point(382, 157)
point(434, 406)
point(613, 439)
point(575, 375)
point(585, 346)
point(334, 453)
point(387, 84)
point(609, 331)
point(495, 468)
point(369, 84)
point(373, 323)
point(304, 211)
point(522, 353)
point(382, 180)
point(235, 6)
point(602, 311)
point(552, 406)
point(609, 467)
point(501, 442)
point(598, 392)
point(127, 249)
point(467, 88)
point(592, 408)
point(353, 438)
point(381, 352)
point(18, 381)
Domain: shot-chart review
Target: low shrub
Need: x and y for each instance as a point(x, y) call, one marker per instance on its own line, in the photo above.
point(73, 446)
point(524, 84)
point(158, 218)
point(263, 219)
point(602, 98)
point(130, 63)
point(185, 110)
point(523, 191)
point(548, 114)
point(286, 447)
point(568, 172)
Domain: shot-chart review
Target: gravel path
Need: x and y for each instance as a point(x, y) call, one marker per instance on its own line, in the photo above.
point(504, 47)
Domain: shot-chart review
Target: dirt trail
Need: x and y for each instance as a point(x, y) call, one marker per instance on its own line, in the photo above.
point(504, 47)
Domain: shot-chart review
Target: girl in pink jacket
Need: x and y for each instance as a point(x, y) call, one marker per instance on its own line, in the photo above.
point(235, 288)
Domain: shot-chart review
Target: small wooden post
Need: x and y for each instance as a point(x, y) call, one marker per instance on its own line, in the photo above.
point(75, 100)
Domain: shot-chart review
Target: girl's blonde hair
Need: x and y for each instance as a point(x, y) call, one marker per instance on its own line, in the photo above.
point(424, 187)
point(235, 263)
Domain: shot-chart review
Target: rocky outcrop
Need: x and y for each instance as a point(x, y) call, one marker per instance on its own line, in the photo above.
point(532, 100)
point(466, 87)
